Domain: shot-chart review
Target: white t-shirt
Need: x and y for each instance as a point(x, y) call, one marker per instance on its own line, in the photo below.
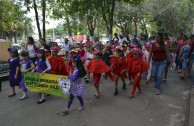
point(89, 55)
point(65, 46)
point(121, 41)
point(31, 50)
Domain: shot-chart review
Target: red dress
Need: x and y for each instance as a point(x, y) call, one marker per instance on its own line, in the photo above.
point(58, 65)
point(118, 66)
point(97, 66)
point(136, 65)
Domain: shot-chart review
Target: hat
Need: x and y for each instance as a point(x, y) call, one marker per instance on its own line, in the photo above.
point(55, 48)
point(74, 50)
point(41, 51)
point(13, 50)
point(24, 53)
point(135, 51)
point(125, 45)
point(96, 52)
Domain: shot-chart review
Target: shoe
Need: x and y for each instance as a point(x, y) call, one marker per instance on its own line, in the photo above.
point(11, 95)
point(179, 71)
point(124, 87)
point(97, 95)
point(23, 97)
point(157, 92)
point(132, 96)
point(86, 81)
point(116, 92)
point(41, 101)
point(66, 111)
point(81, 108)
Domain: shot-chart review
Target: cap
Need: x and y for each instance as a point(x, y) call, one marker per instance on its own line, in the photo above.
point(74, 50)
point(13, 50)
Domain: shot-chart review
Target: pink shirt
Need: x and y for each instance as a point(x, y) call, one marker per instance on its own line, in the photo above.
point(88, 43)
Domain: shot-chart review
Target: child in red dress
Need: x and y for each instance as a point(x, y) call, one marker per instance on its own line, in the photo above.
point(58, 64)
point(118, 67)
point(137, 66)
point(97, 67)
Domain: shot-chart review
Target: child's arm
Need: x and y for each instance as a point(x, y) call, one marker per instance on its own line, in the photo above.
point(73, 77)
point(48, 66)
point(17, 72)
point(31, 68)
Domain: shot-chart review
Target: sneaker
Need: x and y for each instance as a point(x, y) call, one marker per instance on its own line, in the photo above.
point(41, 101)
point(23, 97)
point(66, 111)
point(116, 92)
point(124, 87)
point(157, 92)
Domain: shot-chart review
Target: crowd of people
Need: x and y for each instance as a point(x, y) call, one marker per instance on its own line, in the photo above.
point(121, 58)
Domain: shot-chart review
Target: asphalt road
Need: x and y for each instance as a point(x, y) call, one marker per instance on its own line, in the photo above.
point(171, 108)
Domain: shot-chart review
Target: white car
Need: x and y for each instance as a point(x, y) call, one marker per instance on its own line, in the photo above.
point(17, 46)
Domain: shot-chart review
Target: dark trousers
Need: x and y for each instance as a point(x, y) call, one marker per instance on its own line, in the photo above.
point(71, 100)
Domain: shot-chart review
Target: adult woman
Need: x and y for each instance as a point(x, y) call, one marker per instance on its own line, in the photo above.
point(159, 53)
point(44, 45)
point(32, 48)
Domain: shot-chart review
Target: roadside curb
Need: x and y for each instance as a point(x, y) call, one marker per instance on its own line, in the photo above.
point(191, 113)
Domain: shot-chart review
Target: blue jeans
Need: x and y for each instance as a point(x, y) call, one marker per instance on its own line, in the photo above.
point(158, 71)
point(71, 100)
point(191, 67)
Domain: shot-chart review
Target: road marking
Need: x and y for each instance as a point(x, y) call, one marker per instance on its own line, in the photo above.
point(174, 106)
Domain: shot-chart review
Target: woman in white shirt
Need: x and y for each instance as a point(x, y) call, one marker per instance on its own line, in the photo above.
point(32, 49)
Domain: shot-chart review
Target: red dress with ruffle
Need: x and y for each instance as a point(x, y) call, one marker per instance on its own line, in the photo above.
point(136, 65)
point(58, 65)
point(118, 65)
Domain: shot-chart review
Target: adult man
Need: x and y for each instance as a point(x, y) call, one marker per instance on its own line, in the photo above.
point(122, 39)
point(65, 46)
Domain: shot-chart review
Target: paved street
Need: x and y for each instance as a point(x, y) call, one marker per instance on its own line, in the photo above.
point(171, 108)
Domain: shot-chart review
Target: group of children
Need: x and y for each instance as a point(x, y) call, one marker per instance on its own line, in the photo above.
point(115, 62)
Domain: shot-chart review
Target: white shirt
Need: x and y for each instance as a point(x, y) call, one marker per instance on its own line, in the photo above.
point(121, 41)
point(89, 55)
point(65, 46)
point(31, 50)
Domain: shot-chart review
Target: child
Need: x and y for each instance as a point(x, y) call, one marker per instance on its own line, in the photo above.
point(89, 56)
point(13, 70)
point(137, 66)
point(118, 67)
point(77, 87)
point(73, 52)
point(82, 52)
point(58, 64)
point(26, 65)
point(106, 58)
point(145, 58)
point(97, 67)
point(43, 66)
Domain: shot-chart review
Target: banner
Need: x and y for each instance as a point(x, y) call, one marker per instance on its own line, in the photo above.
point(57, 85)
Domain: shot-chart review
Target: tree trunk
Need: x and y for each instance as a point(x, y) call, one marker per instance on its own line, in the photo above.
point(37, 19)
point(68, 26)
point(111, 19)
point(135, 23)
point(43, 18)
point(15, 37)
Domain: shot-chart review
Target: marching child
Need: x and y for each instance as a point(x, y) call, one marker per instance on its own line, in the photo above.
point(97, 67)
point(77, 87)
point(13, 70)
point(43, 66)
point(118, 67)
point(26, 65)
point(137, 66)
point(58, 64)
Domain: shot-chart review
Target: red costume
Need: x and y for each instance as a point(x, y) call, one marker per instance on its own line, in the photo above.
point(118, 65)
point(137, 66)
point(97, 67)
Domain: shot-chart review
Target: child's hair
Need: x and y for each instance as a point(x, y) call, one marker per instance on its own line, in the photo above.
point(41, 51)
point(120, 52)
point(14, 51)
point(99, 55)
point(79, 64)
point(24, 53)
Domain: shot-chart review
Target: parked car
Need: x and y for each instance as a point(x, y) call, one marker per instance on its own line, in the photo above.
point(17, 46)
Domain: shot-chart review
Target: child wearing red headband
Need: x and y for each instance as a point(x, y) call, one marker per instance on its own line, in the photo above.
point(97, 67)
point(118, 67)
point(137, 66)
